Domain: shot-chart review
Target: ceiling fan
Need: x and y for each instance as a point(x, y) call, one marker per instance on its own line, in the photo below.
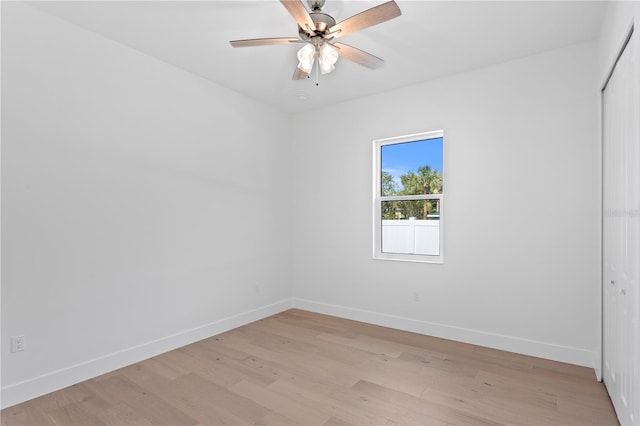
point(317, 30)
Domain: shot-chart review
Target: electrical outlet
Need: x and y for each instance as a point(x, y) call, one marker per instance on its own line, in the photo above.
point(17, 343)
point(416, 296)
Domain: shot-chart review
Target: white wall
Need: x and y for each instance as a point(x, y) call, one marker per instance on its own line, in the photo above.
point(520, 229)
point(120, 177)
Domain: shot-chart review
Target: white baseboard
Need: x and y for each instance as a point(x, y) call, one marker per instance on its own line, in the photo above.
point(19, 392)
point(32, 388)
point(550, 351)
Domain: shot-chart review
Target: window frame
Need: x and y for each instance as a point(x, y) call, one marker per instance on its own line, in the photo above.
point(378, 198)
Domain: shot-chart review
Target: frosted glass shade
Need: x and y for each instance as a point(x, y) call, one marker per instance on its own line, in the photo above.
point(306, 56)
point(328, 56)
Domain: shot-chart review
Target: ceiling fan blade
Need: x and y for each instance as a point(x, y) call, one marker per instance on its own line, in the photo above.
point(358, 56)
point(299, 13)
point(264, 41)
point(370, 17)
point(298, 74)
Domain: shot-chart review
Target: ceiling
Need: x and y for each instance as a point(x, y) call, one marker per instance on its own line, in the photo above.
point(431, 39)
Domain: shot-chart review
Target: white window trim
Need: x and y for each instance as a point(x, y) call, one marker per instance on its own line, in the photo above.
point(378, 254)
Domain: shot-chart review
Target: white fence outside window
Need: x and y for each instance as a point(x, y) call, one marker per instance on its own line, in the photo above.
point(411, 236)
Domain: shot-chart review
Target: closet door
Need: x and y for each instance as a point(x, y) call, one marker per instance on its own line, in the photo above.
point(621, 238)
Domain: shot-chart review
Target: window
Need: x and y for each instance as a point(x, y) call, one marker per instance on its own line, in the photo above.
point(408, 197)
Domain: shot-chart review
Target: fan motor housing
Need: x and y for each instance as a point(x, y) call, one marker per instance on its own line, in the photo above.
point(322, 23)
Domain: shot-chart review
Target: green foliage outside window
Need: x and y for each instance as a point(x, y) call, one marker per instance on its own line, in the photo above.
point(423, 181)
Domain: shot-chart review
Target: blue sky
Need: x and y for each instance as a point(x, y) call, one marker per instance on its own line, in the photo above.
point(397, 159)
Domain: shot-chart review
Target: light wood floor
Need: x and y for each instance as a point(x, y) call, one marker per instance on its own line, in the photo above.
point(300, 368)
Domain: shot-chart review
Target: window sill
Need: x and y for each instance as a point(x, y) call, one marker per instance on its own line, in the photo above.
point(409, 258)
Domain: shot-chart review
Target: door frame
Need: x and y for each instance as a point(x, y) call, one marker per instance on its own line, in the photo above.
point(622, 39)
point(622, 44)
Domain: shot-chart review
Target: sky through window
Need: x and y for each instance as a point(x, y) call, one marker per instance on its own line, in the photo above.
point(398, 159)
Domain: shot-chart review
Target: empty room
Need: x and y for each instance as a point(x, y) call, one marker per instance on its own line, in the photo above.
point(309, 212)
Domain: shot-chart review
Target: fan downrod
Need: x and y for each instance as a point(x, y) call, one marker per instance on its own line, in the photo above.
point(316, 5)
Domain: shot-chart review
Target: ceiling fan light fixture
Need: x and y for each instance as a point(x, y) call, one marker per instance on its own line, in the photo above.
point(328, 56)
point(306, 56)
point(318, 30)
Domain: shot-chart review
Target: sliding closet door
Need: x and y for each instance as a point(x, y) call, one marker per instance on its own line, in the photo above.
point(621, 237)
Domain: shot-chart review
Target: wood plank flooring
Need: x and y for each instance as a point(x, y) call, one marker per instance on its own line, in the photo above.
point(301, 368)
